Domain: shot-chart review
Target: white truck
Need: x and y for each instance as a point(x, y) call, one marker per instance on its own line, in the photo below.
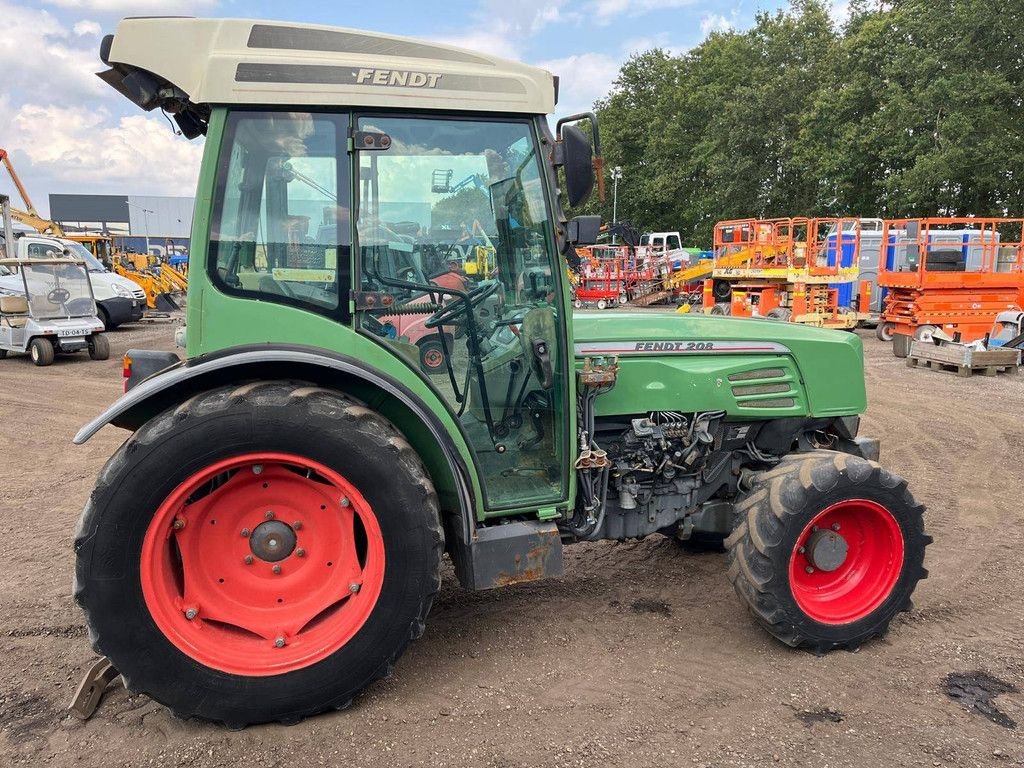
point(118, 299)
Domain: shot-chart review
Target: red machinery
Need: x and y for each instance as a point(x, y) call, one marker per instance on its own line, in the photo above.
point(785, 269)
point(956, 274)
point(611, 275)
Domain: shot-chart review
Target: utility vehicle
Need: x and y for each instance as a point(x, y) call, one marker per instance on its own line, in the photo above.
point(268, 540)
point(46, 305)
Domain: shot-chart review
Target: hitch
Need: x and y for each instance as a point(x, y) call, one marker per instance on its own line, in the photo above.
point(91, 689)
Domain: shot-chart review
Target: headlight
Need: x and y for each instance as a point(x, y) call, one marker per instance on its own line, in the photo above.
point(120, 290)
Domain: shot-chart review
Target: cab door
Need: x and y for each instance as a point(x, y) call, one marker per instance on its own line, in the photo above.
point(436, 196)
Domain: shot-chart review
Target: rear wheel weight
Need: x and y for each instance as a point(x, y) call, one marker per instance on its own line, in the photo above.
point(140, 571)
point(783, 550)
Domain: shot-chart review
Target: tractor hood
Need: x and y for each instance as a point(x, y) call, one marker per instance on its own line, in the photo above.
point(749, 368)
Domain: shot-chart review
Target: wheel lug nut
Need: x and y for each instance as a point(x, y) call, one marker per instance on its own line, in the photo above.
point(814, 528)
point(279, 642)
point(802, 550)
point(809, 569)
point(297, 525)
point(178, 524)
point(353, 588)
point(276, 569)
point(248, 559)
point(191, 613)
point(257, 469)
point(245, 533)
point(300, 552)
point(345, 502)
point(835, 526)
point(269, 515)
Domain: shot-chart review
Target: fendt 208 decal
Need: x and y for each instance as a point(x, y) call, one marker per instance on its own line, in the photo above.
point(678, 347)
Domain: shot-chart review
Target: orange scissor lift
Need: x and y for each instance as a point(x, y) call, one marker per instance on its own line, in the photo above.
point(953, 274)
point(786, 269)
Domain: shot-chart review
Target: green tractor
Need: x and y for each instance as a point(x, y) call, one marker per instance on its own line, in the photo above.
point(269, 539)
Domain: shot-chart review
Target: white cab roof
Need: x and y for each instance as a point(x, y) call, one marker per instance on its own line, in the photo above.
point(236, 61)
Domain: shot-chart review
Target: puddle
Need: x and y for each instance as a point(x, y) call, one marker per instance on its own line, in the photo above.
point(811, 716)
point(976, 690)
point(652, 606)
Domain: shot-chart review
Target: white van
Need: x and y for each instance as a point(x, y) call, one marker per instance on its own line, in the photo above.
point(118, 299)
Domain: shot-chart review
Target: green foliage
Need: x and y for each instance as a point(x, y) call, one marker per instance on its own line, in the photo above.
point(913, 107)
point(461, 209)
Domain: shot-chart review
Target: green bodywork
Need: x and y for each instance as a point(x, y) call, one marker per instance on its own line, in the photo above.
point(822, 374)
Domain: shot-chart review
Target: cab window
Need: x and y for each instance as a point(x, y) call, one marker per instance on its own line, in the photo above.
point(280, 229)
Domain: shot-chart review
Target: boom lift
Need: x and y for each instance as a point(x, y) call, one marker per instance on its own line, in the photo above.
point(268, 539)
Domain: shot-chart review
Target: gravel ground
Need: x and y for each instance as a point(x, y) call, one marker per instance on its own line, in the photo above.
point(641, 655)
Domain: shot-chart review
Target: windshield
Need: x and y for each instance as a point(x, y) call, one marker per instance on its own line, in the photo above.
point(57, 290)
point(79, 251)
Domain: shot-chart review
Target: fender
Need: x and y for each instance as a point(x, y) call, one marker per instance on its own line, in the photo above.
point(179, 382)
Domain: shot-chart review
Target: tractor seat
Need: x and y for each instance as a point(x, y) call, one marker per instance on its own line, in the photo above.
point(14, 310)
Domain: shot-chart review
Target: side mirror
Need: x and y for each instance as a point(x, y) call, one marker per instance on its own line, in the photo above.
point(578, 164)
point(577, 158)
point(583, 230)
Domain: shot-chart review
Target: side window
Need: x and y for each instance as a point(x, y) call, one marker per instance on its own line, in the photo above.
point(281, 212)
point(673, 243)
point(42, 250)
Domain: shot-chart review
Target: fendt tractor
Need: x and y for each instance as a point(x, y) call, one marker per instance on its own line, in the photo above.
point(268, 540)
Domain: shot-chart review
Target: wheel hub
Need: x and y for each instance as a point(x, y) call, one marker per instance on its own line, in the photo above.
point(826, 550)
point(272, 541)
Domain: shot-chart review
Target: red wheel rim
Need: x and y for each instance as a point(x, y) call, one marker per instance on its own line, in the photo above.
point(867, 575)
point(262, 564)
point(433, 358)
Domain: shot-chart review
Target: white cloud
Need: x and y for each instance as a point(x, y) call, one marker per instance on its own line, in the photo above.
point(38, 53)
point(491, 42)
point(839, 10)
point(714, 22)
point(85, 27)
point(152, 7)
point(583, 79)
point(83, 146)
point(607, 9)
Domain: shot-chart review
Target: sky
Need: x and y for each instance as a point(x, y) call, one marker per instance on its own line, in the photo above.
point(68, 132)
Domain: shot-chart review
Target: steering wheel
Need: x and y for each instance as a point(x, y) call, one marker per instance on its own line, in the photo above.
point(473, 299)
point(58, 296)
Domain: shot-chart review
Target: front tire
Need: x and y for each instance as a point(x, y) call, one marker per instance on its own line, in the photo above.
point(41, 351)
point(263, 633)
point(884, 331)
point(827, 549)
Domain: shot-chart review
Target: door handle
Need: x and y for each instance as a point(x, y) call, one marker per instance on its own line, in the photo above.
point(542, 363)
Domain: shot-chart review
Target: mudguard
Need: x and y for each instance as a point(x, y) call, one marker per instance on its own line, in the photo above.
point(177, 383)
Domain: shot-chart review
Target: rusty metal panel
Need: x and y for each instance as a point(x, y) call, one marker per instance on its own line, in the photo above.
point(501, 555)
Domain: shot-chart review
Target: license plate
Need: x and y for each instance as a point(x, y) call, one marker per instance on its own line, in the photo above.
point(68, 334)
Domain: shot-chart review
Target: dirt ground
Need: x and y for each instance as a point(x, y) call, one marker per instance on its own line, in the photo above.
point(641, 655)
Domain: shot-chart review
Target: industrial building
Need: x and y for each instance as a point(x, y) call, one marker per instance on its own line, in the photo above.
point(160, 225)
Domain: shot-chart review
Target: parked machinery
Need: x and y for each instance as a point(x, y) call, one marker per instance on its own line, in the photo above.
point(784, 269)
point(956, 274)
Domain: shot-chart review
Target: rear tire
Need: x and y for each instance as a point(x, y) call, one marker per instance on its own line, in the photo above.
point(721, 309)
point(99, 347)
point(306, 439)
point(780, 313)
point(41, 351)
point(771, 550)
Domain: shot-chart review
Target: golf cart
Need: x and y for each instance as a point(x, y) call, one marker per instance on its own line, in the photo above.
point(47, 306)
